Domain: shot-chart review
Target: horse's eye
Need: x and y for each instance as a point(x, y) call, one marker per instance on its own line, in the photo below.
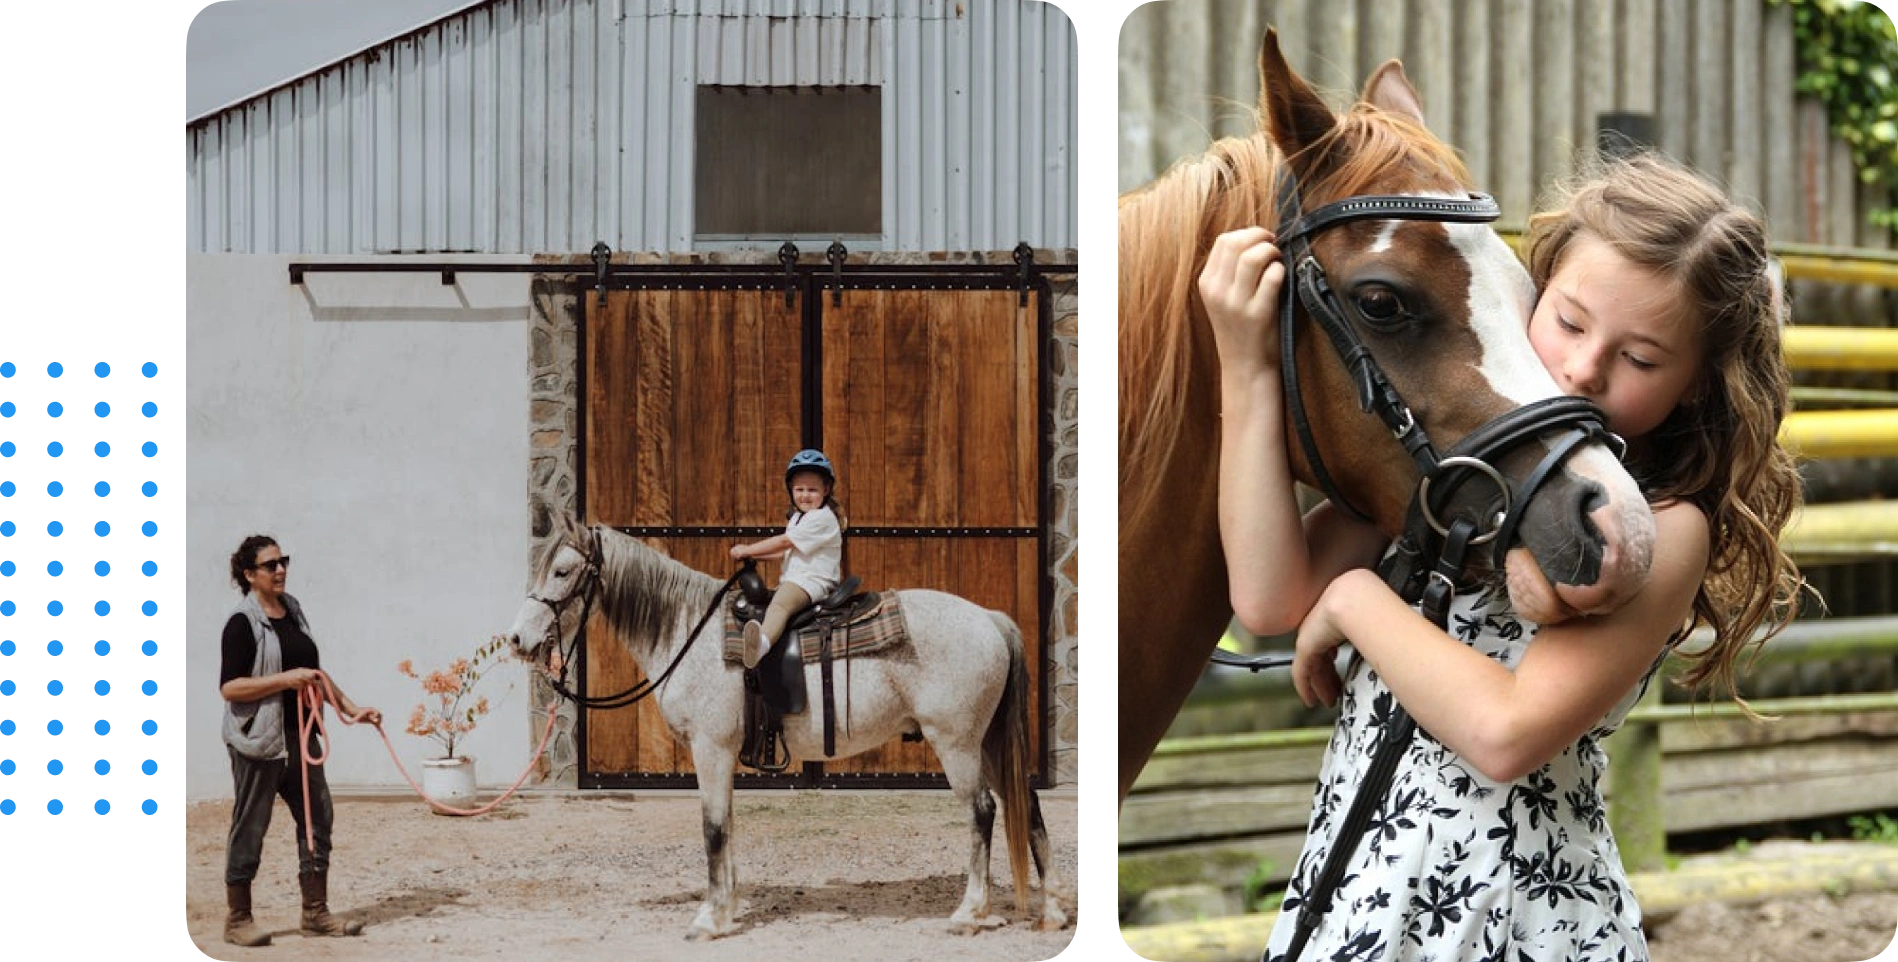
point(1379, 305)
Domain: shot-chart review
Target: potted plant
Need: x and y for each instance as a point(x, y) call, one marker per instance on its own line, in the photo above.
point(449, 778)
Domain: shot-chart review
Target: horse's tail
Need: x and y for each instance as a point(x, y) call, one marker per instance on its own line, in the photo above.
point(1005, 757)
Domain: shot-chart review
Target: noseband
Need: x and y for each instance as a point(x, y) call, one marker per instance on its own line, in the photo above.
point(1474, 456)
point(585, 588)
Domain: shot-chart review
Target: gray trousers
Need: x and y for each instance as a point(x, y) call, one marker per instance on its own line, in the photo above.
point(258, 786)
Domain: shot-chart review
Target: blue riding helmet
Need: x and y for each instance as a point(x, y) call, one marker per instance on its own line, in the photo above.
point(809, 459)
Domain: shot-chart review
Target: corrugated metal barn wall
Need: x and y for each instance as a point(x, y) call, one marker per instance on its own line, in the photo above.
point(1516, 85)
point(530, 126)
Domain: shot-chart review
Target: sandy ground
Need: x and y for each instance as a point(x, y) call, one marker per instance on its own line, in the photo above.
point(841, 876)
point(1821, 929)
point(1846, 927)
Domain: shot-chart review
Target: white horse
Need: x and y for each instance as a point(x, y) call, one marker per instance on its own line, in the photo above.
point(961, 681)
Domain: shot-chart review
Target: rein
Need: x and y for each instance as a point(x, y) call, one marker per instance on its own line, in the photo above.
point(590, 587)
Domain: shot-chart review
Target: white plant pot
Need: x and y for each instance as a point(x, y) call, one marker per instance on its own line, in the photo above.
point(449, 781)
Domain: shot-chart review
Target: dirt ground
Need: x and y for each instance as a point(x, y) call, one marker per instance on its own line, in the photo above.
point(841, 876)
point(1822, 929)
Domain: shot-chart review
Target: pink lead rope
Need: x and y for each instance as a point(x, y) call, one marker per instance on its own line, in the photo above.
point(311, 699)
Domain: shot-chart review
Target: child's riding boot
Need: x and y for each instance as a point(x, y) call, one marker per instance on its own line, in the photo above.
point(756, 644)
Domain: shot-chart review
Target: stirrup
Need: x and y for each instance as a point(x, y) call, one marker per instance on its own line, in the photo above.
point(768, 753)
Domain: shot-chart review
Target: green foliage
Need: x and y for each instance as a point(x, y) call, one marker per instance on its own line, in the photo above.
point(1879, 827)
point(1847, 53)
point(1261, 893)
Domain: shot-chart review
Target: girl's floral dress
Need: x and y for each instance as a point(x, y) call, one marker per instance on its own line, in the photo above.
point(1455, 867)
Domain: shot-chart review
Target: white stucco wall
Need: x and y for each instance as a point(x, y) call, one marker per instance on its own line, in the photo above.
point(376, 426)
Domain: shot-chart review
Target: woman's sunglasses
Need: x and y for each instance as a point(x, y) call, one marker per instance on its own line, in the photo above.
point(273, 565)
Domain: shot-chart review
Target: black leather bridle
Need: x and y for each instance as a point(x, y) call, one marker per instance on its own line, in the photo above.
point(1427, 561)
point(1420, 549)
point(586, 588)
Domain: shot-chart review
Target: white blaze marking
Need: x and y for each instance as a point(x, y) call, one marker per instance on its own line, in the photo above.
point(1500, 294)
point(1384, 235)
point(1500, 298)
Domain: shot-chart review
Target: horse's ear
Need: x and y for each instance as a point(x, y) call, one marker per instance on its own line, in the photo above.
point(1389, 90)
point(1295, 116)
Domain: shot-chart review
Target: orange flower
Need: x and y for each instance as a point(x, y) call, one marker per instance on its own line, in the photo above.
point(449, 718)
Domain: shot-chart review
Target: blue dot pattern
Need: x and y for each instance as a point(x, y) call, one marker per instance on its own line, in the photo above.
point(83, 699)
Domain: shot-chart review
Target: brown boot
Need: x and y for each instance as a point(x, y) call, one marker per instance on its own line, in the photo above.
point(317, 919)
point(239, 927)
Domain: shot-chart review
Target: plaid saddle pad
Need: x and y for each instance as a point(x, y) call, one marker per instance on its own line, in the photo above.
point(879, 628)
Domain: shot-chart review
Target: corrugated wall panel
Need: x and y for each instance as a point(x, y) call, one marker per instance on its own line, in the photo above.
point(1515, 85)
point(545, 125)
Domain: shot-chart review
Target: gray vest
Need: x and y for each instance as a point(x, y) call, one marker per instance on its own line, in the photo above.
point(255, 729)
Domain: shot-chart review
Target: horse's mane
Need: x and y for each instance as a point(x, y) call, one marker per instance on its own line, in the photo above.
point(1166, 230)
point(643, 592)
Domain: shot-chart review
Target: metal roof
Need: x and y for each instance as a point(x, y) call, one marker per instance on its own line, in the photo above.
point(418, 28)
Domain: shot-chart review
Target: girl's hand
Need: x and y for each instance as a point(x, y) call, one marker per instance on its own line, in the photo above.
point(1315, 659)
point(1240, 286)
point(739, 553)
point(369, 715)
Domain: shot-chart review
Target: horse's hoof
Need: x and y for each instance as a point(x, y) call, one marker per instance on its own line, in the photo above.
point(972, 926)
point(702, 934)
point(1052, 920)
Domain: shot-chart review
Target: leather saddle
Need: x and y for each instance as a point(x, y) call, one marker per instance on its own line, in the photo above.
point(775, 687)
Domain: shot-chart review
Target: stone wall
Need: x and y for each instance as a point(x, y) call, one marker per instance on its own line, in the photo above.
point(553, 487)
point(1062, 668)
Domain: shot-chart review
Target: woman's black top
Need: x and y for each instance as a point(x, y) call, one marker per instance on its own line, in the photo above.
point(240, 654)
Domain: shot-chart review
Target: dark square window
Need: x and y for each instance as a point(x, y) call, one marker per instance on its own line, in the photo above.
point(782, 162)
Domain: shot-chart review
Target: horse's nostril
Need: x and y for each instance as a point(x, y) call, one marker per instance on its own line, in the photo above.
point(1591, 541)
point(1590, 498)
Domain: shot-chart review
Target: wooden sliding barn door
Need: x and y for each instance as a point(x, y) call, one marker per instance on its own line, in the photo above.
point(927, 401)
point(930, 405)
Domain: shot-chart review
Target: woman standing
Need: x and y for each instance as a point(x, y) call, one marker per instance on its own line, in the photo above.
point(269, 657)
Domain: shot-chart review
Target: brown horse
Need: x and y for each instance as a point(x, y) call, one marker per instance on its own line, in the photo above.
point(1463, 360)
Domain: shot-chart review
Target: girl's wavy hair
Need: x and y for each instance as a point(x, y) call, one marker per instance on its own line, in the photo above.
point(245, 558)
point(1719, 449)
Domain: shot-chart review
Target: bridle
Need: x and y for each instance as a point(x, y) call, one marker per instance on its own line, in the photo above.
point(1426, 561)
point(586, 588)
point(1425, 565)
point(1376, 395)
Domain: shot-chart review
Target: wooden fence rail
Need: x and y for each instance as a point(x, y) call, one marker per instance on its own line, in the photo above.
point(1852, 773)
